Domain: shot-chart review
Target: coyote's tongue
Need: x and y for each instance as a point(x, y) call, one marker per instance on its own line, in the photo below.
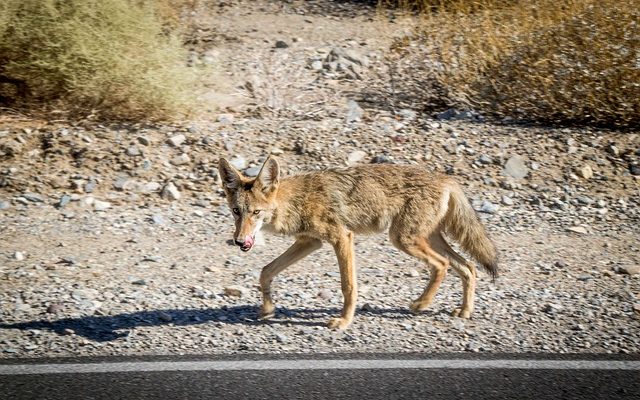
point(248, 243)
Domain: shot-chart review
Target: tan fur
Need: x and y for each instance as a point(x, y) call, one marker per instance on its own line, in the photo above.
point(415, 206)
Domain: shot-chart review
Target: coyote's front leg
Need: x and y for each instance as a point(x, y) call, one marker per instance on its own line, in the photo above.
point(344, 251)
point(300, 249)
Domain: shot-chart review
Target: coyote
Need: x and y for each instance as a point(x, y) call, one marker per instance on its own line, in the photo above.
point(333, 205)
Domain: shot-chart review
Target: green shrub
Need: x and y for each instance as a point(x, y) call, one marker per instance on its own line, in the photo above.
point(110, 57)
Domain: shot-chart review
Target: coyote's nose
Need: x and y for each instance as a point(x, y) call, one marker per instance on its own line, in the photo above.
point(239, 242)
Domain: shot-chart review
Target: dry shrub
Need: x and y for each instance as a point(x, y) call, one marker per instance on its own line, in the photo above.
point(114, 58)
point(568, 62)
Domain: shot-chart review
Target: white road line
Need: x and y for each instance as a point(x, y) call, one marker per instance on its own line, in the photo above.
point(155, 366)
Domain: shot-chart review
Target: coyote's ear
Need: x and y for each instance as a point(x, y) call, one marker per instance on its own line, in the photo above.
point(269, 174)
point(230, 176)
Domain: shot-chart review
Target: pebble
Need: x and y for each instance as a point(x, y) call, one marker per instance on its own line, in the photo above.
point(170, 192)
point(133, 151)
point(182, 159)
point(281, 44)
point(488, 207)
point(33, 197)
point(235, 291)
point(507, 201)
point(239, 163)
point(585, 172)
point(516, 167)
point(252, 171)
point(354, 112)
point(355, 157)
point(99, 205)
point(176, 140)
point(18, 256)
point(578, 229)
point(4, 205)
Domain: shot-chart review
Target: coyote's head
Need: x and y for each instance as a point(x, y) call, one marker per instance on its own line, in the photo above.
point(252, 201)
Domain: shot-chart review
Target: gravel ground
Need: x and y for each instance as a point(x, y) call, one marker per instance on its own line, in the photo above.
point(115, 239)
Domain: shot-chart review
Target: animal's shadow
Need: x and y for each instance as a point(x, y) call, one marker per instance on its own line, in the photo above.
point(105, 328)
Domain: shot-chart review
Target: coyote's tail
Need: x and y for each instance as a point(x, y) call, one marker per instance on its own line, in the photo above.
point(462, 224)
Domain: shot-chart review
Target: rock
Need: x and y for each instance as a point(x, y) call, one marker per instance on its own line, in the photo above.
point(158, 219)
point(18, 256)
point(182, 159)
point(54, 308)
point(176, 140)
point(33, 197)
point(138, 282)
point(64, 200)
point(354, 112)
point(585, 172)
point(239, 162)
point(316, 65)
point(281, 338)
point(164, 317)
point(507, 201)
point(488, 207)
point(325, 294)
point(99, 205)
point(485, 159)
point(226, 119)
point(235, 291)
point(634, 169)
point(143, 140)
point(630, 269)
point(89, 187)
point(133, 151)
point(578, 229)
point(355, 157)
point(516, 168)
point(281, 44)
point(4, 205)
point(414, 273)
point(251, 172)
point(170, 192)
point(381, 159)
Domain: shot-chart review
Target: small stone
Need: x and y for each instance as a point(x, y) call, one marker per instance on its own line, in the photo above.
point(235, 291)
point(99, 205)
point(485, 159)
point(176, 140)
point(634, 170)
point(251, 172)
point(54, 308)
point(158, 219)
point(325, 294)
point(585, 172)
point(636, 308)
point(578, 229)
point(182, 159)
point(382, 159)
point(4, 205)
point(171, 192)
point(630, 269)
point(507, 201)
point(163, 316)
point(367, 307)
point(414, 273)
point(238, 162)
point(89, 187)
point(281, 338)
point(316, 65)
point(516, 168)
point(138, 282)
point(133, 151)
point(33, 197)
point(68, 332)
point(354, 112)
point(143, 140)
point(281, 44)
point(488, 207)
point(18, 256)
point(560, 264)
point(226, 119)
point(355, 157)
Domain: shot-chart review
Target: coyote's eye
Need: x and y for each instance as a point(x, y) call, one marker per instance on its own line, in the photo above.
point(256, 212)
point(236, 211)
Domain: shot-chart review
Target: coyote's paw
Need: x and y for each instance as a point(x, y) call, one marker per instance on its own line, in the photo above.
point(417, 307)
point(266, 313)
point(466, 314)
point(338, 323)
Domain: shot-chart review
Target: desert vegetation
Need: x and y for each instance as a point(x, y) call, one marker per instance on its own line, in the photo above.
point(568, 62)
point(111, 58)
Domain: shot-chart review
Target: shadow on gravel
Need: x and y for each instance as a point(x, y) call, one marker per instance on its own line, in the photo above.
point(105, 328)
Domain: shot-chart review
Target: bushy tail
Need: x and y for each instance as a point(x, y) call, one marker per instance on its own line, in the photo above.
point(463, 225)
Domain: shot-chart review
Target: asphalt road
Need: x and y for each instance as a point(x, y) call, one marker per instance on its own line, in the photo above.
point(357, 376)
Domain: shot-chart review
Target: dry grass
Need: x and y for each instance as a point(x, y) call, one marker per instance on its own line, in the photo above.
point(568, 62)
point(110, 58)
